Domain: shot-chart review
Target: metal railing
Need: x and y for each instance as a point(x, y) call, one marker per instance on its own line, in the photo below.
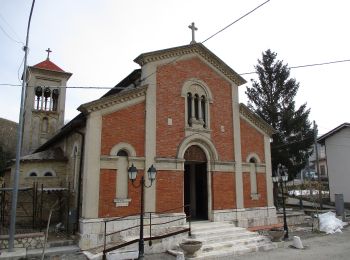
point(150, 225)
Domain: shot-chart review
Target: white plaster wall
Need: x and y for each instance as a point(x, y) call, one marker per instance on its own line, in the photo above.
point(338, 159)
point(91, 170)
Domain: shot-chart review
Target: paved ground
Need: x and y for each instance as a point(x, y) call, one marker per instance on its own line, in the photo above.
point(321, 247)
point(318, 246)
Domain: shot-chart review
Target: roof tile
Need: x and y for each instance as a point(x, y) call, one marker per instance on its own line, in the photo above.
point(48, 65)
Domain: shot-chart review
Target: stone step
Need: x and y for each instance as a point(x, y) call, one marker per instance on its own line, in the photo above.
point(234, 251)
point(206, 225)
point(234, 243)
point(224, 239)
point(212, 238)
point(220, 232)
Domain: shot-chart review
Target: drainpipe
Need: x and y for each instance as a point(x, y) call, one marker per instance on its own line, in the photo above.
point(80, 175)
point(329, 190)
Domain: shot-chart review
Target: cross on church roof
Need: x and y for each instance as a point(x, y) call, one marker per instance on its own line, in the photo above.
point(48, 53)
point(193, 28)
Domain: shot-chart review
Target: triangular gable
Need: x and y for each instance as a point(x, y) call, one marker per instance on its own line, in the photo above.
point(196, 48)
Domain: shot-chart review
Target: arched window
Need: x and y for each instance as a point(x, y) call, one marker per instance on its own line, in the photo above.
point(122, 153)
point(198, 97)
point(38, 98)
point(33, 174)
point(196, 108)
point(55, 94)
point(48, 174)
point(204, 115)
point(253, 178)
point(189, 109)
point(253, 160)
point(47, 99)
point(122, 179)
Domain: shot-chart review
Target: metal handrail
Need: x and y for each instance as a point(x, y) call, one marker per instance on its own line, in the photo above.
point(150, 238)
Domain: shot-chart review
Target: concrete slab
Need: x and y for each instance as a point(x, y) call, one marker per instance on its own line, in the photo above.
point(53, 250)
point(18, 253)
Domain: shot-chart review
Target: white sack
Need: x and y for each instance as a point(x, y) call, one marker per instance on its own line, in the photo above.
point(329, 223)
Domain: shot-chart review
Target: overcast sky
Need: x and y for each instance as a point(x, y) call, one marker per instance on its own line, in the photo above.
point(98, 40)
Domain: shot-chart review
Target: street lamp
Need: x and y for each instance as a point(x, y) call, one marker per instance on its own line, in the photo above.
point(132, 172)
point(281, 169)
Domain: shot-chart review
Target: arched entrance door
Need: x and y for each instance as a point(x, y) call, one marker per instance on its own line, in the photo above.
point(196, 183)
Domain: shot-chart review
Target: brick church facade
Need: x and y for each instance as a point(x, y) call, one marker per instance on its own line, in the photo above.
point(183, 117)
point(179, 112)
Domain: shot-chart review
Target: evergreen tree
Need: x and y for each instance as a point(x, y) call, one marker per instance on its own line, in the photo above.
point(272, 98)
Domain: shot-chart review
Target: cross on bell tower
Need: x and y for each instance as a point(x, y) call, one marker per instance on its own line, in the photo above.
point(193, 29)
point(48, 53)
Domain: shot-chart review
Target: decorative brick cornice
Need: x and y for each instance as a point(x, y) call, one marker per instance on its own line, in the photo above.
point(111, 100)
point(256, 120)
point(197, 48)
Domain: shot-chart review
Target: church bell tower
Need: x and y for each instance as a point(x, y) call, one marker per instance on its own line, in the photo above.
point(44, 105)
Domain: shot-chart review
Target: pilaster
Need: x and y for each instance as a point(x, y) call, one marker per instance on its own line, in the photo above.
point(237, 147)
point(150, 131)
point(91, 175)
point(269, 186)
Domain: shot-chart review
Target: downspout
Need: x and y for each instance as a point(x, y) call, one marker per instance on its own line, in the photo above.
point(329, 190)
point(80, 175)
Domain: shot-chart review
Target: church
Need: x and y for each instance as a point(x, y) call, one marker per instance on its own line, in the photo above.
point(178, 113)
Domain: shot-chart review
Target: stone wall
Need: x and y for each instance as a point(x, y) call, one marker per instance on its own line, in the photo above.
point(29, 241)
point(92, 230)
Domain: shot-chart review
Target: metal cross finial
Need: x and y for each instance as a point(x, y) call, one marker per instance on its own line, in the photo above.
point(193, 28)
point(48, 53)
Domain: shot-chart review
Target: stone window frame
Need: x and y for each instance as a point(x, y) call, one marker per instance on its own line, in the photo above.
point(122, 191)
point(253, 160)
point(201, 98)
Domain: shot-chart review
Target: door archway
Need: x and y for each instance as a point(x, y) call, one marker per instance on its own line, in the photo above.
point(196, 183)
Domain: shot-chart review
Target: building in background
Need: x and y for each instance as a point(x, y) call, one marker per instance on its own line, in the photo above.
point(337, 149)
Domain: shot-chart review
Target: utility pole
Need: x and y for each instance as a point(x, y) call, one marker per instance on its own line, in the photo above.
point(12, 230)
point(317, 166)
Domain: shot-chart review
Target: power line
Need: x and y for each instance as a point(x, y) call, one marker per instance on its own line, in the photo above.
point(305, 66)
point(82, 87)
point(240, 18)
point(8, 36)
point(14, 32)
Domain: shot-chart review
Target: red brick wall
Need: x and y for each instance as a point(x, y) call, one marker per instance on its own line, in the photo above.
point(169, 191)
point(224, 190)
point(252, 141)
point(170, 80)
point(261, 184)
point(107, 206)
point(126, 125)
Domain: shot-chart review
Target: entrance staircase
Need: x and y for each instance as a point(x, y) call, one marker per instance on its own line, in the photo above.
point(222, 239)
